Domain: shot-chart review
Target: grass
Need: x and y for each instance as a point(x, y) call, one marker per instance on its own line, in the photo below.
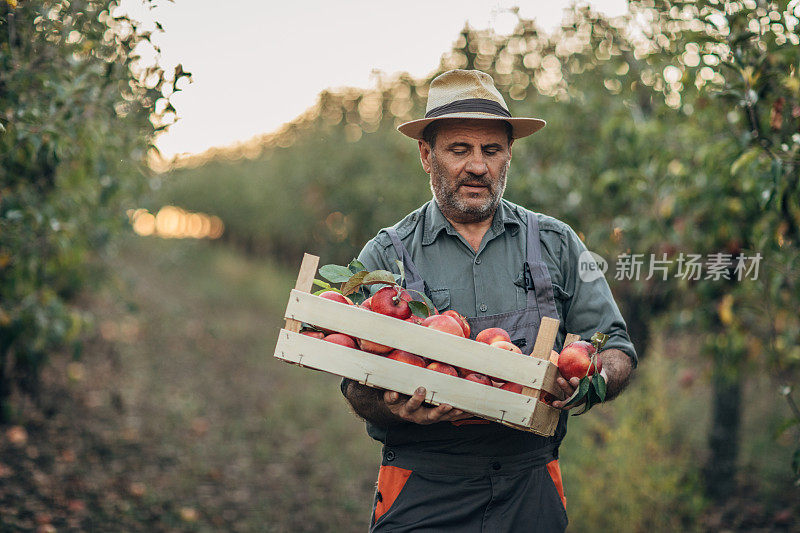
point(286, 451)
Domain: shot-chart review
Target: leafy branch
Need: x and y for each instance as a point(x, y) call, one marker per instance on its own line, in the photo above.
point(354, 278)
point(592, 388)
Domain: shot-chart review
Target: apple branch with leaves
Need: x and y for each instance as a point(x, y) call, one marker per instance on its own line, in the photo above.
point(592, 388)
point(354, 277)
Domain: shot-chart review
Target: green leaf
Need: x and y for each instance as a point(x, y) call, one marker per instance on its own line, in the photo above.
point(354, 282)
point(593, 396)
point(356, 266)
point(335, 273)
point(421, 296)
point(746, 158)
point(599, 386)
point(358, 297)
point(323, 284)
point(580, 393)
point(784, 426)
point(586, 406)
point(419, 308)
point(317, 293)
point(379, 276)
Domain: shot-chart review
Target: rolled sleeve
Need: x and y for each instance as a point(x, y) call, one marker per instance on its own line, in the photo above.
point(591, 307)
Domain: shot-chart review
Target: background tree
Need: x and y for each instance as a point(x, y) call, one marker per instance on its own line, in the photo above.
point(78, 114)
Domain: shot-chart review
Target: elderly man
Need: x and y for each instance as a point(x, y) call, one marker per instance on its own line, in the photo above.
point(502, 266)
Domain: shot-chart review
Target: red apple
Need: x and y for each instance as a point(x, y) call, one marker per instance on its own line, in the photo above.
point(574, 361)
point(512, 387)
point(444, 323)
point(489, 335)
point(374, 347)
point(506, 345)
point(367, 304)
point(479, 378)
point(464, 372)
point(392, 301)
point(461, 320)
point(443, 368)
point(336, 297)
point(405, 357)
point(342, 339)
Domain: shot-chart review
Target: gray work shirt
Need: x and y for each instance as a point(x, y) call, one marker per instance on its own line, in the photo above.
point(490, 281)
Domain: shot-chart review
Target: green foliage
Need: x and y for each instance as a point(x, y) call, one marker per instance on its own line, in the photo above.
point(78, 113)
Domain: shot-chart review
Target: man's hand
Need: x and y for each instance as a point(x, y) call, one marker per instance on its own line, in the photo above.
point(411, 409)
point(569, 388)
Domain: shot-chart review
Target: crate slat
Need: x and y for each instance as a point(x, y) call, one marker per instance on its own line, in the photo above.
point(305, 280)
point(505, 365)
point(488, 402)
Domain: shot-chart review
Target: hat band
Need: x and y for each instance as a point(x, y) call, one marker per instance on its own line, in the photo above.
point(469, 105)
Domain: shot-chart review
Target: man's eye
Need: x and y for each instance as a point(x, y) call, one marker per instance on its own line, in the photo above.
point(459, 152)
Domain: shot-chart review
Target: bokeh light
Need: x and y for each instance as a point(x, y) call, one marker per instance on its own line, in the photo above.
point(172, 222)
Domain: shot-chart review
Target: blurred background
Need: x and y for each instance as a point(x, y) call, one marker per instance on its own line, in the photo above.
point(151, 227)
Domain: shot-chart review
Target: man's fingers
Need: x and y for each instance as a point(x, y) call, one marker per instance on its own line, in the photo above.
point(437, 413)
point(415, 402)
point(569, 388)
point(391, 397)
point(565, 386)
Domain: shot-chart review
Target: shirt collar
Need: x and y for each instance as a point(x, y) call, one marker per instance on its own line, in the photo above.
point(435, 222)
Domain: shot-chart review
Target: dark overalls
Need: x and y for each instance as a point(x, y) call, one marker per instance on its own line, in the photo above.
point(474, 475)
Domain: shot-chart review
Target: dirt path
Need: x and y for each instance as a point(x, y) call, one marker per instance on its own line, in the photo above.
point(177, 417)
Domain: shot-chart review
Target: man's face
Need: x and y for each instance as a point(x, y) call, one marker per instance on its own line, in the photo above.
point(468, 165)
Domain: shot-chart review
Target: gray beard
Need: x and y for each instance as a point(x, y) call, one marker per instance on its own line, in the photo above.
point(455, 208)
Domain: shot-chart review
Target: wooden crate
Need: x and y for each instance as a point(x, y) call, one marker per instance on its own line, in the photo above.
point(521, 411)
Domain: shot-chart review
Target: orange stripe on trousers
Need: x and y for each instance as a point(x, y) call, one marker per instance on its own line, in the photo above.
point(555, 473)
point(391, 481)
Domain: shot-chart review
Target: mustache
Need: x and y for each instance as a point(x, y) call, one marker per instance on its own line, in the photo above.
point(473, 179)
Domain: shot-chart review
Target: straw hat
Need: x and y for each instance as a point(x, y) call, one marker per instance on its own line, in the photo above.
point(468, 94)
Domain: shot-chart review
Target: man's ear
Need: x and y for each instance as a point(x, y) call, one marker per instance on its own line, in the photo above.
point(425, 155)
point(510, 144)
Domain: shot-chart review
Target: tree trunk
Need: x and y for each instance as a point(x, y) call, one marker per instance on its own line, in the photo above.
point(5, 386)
point(719, 473)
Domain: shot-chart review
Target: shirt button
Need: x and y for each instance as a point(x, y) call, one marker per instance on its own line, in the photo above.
point(390, 455)
point(477, 260)
point(495, 466)
point(483, 308)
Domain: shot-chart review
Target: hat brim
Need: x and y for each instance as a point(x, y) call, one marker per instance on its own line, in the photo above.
point(521, 127)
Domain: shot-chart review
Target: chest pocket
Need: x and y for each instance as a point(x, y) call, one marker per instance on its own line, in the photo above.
point(440, 298)
point(519, 287)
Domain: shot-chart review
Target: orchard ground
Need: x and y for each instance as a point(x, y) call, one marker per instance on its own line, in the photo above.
point(177, 418)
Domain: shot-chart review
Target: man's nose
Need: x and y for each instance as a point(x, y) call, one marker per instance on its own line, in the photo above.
point(477, 165)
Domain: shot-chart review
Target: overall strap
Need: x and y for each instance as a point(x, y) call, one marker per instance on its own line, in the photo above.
point(541, 294)
point(413, 279)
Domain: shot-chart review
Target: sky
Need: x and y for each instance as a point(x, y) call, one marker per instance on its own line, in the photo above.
point(257, 64)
